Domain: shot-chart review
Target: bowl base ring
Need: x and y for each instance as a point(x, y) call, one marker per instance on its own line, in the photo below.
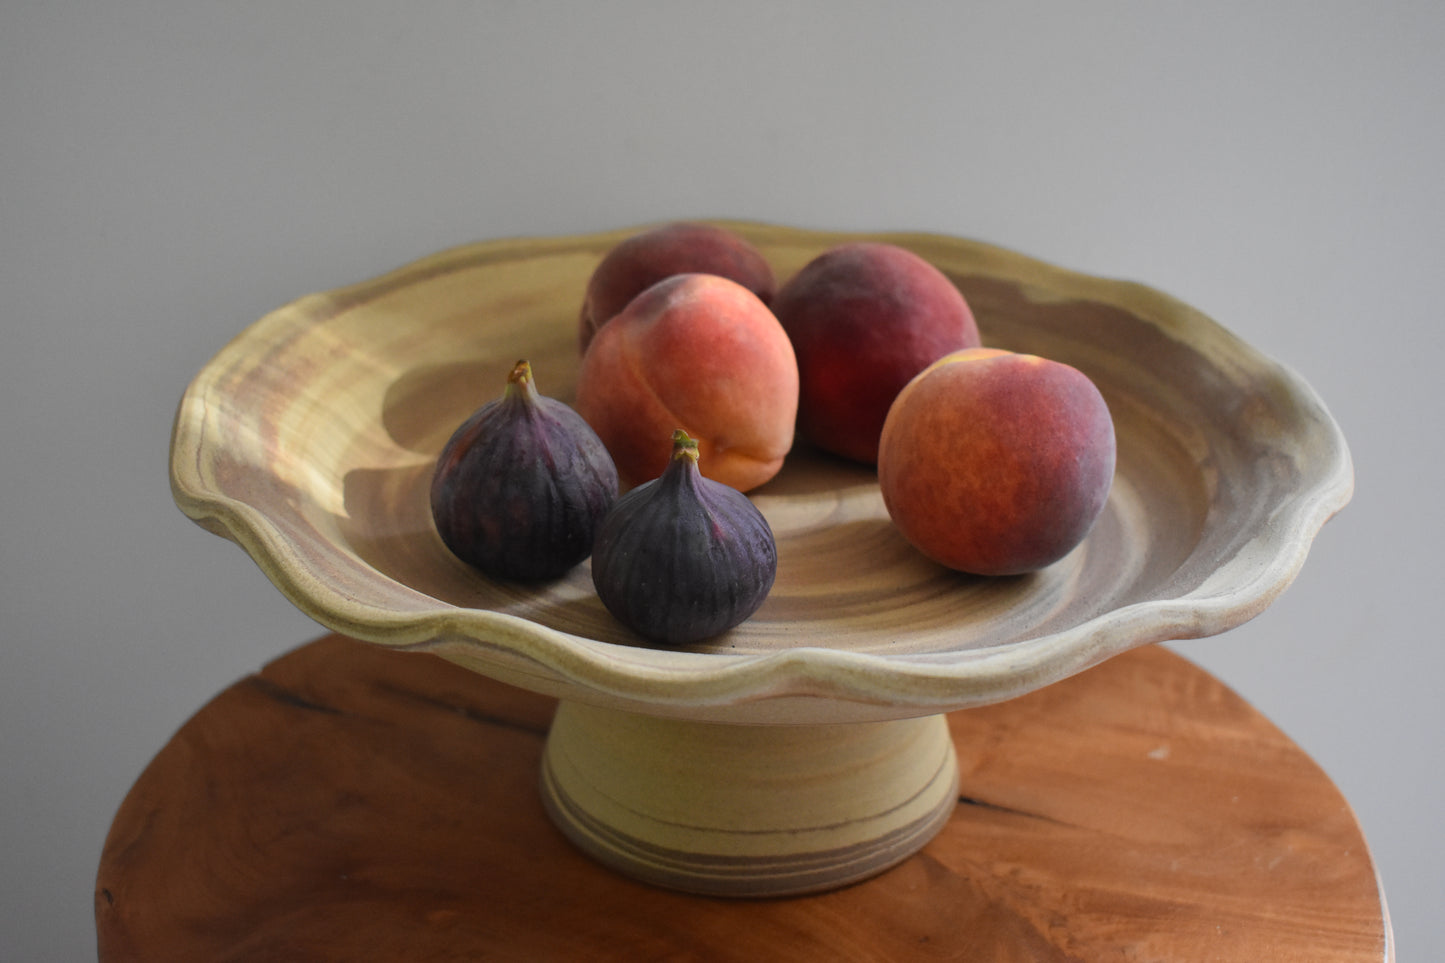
point(747, 811)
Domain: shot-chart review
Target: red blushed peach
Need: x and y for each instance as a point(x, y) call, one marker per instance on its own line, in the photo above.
point(642, 260)
point(997, 463)
point(700, 353)
point(864, 318)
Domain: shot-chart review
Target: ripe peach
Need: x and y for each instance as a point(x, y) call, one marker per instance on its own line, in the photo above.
point(997, 463)
point(864, 318)
point(700, 353)
point(642, 260)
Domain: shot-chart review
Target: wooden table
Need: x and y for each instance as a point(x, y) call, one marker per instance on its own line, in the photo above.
point(354, 803)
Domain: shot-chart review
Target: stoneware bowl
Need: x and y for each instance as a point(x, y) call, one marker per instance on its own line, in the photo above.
point(722, 767)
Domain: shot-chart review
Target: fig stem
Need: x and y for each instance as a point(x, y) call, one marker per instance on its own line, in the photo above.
point(684, 446)
point(519, 382)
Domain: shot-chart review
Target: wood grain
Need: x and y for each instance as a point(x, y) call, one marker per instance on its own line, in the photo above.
point(354, 803)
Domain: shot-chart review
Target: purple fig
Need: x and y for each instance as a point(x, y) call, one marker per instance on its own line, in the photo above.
point(522, 486)
point(683, 558)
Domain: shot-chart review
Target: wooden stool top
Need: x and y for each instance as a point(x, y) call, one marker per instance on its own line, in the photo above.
point(354, 803)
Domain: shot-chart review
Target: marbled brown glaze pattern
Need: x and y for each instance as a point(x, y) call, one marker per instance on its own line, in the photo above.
point(309, 440)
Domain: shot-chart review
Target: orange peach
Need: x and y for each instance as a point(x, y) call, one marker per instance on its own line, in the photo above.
point(642, 260)
point(864, 318)
point(997, 463)
point(700, 353)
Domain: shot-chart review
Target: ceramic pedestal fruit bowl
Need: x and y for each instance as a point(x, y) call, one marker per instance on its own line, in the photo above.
point(805, 747)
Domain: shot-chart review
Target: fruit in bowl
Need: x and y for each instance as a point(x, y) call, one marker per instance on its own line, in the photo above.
point(864, 318)
point(522, 485)
point(640, 261)
point(703, 353)
point(997, 463)
point(683, 558)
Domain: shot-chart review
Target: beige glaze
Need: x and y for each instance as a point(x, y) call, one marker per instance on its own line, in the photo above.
point(747, 810)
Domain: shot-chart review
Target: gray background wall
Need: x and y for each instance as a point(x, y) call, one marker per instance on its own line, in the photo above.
point(170, 171)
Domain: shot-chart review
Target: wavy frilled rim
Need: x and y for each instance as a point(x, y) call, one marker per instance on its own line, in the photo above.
point(309, 441)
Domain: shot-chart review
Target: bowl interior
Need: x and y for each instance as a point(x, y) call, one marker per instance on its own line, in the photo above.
point(310, 440)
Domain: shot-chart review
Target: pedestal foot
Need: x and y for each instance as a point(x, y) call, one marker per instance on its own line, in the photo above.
point(747, 810)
